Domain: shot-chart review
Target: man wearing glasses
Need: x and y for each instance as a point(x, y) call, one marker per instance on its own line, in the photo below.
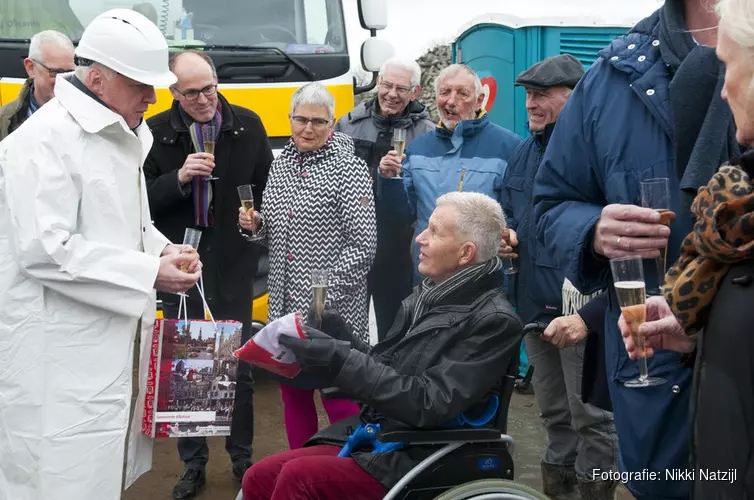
point(371, 125)
point(190, 186)
point(50, 54)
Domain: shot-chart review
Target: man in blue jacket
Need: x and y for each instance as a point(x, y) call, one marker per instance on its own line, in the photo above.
point(466, 152)
point(649, 107)
point(581, 437)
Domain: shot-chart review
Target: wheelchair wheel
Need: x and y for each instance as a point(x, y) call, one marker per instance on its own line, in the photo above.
point(500, 489)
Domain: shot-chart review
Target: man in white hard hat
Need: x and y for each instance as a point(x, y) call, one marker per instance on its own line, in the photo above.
point(79, 262)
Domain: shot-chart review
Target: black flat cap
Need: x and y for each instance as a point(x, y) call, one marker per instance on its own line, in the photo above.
point(556, 71)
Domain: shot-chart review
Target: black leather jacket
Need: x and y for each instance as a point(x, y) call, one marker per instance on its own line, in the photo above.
point(426, 376)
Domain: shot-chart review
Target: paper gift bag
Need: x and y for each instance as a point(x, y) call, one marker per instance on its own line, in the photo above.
point(191, 381)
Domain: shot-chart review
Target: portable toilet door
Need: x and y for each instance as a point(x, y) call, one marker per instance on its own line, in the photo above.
point(500, 46)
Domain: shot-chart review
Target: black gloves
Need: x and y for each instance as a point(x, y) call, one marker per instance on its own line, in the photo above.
point(318, 350)
point(333, 325)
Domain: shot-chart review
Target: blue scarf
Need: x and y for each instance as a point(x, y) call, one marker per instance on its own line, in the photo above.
point(201, 187)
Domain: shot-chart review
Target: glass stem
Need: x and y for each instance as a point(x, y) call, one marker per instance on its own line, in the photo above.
point(643, 371)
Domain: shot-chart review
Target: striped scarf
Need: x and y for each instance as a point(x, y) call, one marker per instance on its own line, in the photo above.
point(201, 187)
point(432, 294)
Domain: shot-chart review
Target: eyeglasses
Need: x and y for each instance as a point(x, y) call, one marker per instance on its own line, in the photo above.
point(193, 94)
point(53, 71)
point(398, 89)
point(303, 121)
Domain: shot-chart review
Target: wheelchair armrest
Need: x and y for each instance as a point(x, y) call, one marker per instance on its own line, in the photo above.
point(333, 393)
point(440, 436)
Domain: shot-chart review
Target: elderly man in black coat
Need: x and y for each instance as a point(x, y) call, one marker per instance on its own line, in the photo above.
point(191, 188)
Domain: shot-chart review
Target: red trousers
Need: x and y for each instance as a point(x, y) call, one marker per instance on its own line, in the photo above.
point(313, 473)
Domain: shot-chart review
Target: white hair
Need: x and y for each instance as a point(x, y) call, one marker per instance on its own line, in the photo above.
point(314, 94)
point(737, 21)
point(48, 37)
point(479, 219)
point(82, 72)
point(407, 65)
point(453, 70)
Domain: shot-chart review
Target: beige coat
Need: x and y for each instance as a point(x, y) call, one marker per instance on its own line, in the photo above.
point(78, 261)
point(13, 114)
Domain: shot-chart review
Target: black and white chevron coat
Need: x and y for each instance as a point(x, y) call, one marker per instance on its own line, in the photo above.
point(318, 213)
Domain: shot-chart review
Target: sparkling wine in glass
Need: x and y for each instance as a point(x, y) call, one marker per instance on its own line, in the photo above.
point(191, 238)
point(209, 136)
point(319, 293)
point(655, 194)
point(628, 275)
point(399, 144)
point(246, 194)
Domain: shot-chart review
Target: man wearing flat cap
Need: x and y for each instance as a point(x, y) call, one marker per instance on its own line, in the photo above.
point(581, 437)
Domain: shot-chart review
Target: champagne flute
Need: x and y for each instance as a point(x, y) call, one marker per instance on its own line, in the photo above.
point(246, 194)
point(399, 145)
point(510, 266)
point(628, 277)
point(191, 239)
point(319, 292)
point(209, 135)
point(655, 194)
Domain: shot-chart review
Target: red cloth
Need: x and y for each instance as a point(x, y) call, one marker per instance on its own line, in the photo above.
point(313, 473)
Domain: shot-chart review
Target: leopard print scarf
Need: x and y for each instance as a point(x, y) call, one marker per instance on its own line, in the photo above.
point(723, 235)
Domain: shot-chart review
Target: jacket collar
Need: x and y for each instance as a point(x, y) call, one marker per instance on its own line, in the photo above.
point(542, 138)
point(414, 112)
point(466, 128)
point(179, 125)
point(93, 116)
point(638, 55)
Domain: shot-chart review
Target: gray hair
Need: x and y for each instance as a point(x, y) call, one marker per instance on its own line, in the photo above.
point(49, 36)
point(480, 220)
point(401, 64)
point(314, 94)
point(453, 70)
point(737, 21)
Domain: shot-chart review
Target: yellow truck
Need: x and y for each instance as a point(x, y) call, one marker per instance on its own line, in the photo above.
point(263, 49)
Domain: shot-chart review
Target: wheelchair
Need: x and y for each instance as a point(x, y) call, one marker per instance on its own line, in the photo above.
point(474, 463)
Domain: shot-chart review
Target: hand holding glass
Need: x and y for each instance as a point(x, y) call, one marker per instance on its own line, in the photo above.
point(191, 240)
point(628, 275)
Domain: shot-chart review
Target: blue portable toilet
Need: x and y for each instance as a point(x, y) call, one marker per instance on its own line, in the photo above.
point(499, 46)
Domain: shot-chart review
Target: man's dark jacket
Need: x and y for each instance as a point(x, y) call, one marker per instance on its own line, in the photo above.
point(243, 156)
point(425, 376)
point(538, 292)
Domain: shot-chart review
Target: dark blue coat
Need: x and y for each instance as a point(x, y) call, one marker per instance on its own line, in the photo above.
point(614, 132)
point(538, 294)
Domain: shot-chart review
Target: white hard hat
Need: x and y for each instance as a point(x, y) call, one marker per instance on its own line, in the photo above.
point(129, 43)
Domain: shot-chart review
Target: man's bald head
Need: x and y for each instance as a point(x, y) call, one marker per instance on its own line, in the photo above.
point(196, 88)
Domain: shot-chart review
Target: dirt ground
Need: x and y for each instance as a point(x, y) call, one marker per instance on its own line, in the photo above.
point(524, 425)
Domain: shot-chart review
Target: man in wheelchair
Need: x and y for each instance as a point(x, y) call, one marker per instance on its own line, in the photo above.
point(441, 366)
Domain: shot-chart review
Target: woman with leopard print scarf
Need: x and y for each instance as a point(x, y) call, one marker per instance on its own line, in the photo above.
point(708, 306)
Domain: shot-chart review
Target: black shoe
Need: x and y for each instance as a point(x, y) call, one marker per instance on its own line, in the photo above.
point(239, 468)
point(189, 484)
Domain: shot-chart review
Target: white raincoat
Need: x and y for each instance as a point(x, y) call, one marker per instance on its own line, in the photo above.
point(78, 260)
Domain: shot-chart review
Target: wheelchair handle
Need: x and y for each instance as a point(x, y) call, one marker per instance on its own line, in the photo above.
point(534, 327)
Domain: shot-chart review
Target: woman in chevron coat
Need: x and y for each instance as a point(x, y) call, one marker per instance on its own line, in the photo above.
point(317, 213)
